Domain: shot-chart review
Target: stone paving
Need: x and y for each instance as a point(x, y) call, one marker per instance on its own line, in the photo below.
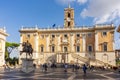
point(59, 74)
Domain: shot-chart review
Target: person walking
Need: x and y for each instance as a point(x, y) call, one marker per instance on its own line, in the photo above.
point(66, 66)
point(73, 66)
point(45, 66)
point(84, 69)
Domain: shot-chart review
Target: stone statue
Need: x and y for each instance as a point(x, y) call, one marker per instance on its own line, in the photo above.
point(27, 48)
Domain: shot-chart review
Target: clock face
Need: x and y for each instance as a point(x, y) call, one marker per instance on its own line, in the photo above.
point(68, 19)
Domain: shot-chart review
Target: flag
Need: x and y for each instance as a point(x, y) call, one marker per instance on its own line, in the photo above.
point(53, 25)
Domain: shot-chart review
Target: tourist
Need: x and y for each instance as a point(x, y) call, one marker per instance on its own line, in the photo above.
point(73, 66)
point(45, 66)
point(84, 68)
point(76, 67)
point(66, 66)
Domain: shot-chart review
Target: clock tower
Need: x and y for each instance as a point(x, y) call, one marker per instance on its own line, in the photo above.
point(69, 17)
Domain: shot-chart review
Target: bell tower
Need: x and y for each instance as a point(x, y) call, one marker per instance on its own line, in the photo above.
point(69, 17)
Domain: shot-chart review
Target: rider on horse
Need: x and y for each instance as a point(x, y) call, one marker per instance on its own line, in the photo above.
point(27, 48)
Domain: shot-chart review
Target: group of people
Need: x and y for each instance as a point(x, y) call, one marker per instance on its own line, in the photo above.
point(74, 67)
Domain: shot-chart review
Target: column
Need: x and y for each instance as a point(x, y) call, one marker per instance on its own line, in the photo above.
point(72, 42)
point(96, 41)
point(36, 45)
point(84, 43)
point(21, 41)
point(20, 48)
point(58, 43)
point(3, 52)
point(58, 58)
point(47, 43)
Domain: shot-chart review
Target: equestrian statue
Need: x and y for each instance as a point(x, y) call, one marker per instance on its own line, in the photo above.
point(27, 48)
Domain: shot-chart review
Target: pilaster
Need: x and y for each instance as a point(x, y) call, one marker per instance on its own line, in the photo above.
point(84, 42)
point(72, 42)
point(36, 45)
point(96, 41)
point(47, 43)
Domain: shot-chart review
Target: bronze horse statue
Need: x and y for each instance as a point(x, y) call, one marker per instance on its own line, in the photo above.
point(27, 48)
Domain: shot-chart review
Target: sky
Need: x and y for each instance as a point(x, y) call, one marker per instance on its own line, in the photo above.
point(44, 13)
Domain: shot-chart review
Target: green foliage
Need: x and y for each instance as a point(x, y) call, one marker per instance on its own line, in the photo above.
point(8, 44)
point(13, 61)
point(7, 57)
point(118, 61)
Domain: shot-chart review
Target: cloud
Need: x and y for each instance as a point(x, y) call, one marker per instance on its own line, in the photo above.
point(82, 1)
point(65, 1)
point(71, 1)
point(102, 11)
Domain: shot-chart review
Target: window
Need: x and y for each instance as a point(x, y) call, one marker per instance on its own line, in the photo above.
point(42, 49)
point(104, 46)
point(78, 48)
point(90, 48)
point(65, 49)
point(65, 36)
point(42, 36)
point(69, 15)
point(104, 33)
point(78, 35)
point(53, 49)
point(68, 24)
point(53, 36)
point(89, 34)
point(28, 35)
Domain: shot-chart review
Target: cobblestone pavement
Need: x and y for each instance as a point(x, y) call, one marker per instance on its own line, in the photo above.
point(59, 74)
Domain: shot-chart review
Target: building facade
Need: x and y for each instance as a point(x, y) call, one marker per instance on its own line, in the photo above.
point(3, 35)
point(72, 44)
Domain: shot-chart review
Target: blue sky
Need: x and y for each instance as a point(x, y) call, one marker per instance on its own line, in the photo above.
point(44, 13)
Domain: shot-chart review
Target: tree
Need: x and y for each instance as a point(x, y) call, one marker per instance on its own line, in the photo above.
point(7, 54)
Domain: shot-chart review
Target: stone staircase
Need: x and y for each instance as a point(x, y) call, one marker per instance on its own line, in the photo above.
point(76, 56)
point(87, 60)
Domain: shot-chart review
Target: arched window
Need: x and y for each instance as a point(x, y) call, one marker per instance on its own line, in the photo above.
point(69, 15)
point(68, 24)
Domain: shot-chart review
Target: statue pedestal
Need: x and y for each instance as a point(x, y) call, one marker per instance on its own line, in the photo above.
point(27, 65)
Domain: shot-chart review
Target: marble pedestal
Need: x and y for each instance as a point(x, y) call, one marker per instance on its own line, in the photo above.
point(27, 65)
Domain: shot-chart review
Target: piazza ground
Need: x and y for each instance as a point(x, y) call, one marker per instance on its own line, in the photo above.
point(59, 74)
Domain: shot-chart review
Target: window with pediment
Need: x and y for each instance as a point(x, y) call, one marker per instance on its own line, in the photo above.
point(77, 48)
point(42, 49)
point(90, 48)
point(104, 46)
point(104, 33)
point(53, 48)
